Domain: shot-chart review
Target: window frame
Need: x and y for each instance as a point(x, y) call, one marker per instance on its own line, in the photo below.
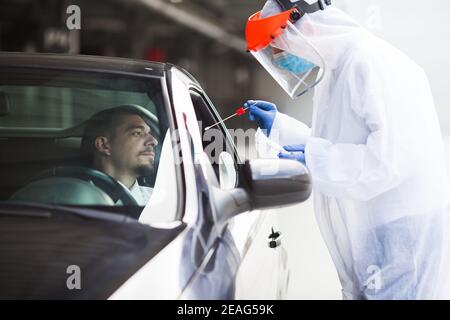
point(167, 109)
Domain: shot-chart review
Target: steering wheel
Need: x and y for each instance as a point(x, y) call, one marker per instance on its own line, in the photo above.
point(101, 180)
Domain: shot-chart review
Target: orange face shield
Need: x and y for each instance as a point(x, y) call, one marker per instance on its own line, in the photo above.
point(284, 51)
point(261, 32)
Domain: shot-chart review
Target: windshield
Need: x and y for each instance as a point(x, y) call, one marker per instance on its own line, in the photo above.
point(80, 138)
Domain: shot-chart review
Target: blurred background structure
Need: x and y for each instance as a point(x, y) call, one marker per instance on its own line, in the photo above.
point(206, 37)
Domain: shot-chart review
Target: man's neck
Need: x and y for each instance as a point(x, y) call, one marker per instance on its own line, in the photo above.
point(125, 178)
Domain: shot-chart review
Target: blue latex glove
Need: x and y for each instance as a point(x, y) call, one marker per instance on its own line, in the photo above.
point(262, 111)
point(294, 152)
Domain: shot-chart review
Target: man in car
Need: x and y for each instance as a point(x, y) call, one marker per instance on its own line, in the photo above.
point(119, 142)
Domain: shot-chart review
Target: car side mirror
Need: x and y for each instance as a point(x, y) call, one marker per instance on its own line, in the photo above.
point(264, 184)
point(273, 183)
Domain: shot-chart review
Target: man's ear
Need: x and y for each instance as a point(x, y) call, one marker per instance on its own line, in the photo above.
point(102, 145)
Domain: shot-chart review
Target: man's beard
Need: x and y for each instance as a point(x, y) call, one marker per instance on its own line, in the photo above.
point(144, 170)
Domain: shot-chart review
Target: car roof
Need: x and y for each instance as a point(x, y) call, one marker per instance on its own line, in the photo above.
point(83, 63)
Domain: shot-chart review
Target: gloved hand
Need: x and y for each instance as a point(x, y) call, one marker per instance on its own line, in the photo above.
point(262, 111)
point(294, 152)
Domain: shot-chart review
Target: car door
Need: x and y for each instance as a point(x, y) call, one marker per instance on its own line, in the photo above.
point(263, 271)
point(224, 251)
point(182, 269)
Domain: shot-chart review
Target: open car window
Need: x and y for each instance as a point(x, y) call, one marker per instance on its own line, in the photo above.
point(45, 119)
point(216, 140)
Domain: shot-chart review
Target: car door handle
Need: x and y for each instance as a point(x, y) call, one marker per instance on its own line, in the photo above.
point(274, 239)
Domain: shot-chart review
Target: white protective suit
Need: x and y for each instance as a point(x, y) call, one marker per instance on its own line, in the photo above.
point(376, 160)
